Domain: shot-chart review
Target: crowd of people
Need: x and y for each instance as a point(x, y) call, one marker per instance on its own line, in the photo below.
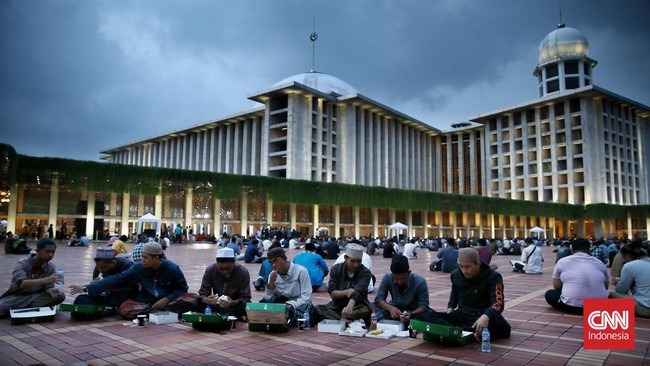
point(145, 280)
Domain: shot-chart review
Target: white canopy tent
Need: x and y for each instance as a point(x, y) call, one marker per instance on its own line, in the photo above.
point(148, 221)
point(398, 227)
point(536, 231)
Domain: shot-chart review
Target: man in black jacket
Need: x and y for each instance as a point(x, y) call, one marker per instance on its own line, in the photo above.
point(476, 300)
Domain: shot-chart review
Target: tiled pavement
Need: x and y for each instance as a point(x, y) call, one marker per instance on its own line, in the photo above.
point(540, 336)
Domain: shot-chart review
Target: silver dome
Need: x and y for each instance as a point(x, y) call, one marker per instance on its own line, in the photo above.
point(322, 82)
point(561, 43)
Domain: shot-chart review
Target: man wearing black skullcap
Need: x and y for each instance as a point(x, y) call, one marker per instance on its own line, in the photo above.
point(409, 292)
point(32, 281)
point(476, 300)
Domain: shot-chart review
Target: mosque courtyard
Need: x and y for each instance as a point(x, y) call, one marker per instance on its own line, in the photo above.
point(540, 335)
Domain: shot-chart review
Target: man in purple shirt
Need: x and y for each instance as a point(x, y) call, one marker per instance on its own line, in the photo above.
point(577, 277)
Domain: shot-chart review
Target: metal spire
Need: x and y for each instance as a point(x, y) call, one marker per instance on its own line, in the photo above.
point(313, 37)
point(561, 25)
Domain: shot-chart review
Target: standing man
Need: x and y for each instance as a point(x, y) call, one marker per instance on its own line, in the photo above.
point(348, 288)
point(288, 283)
point(409, 293)
point(225, 286)
point(50, 231)
point(162, 285)
point(32, 281)
point(577, 277)
point(476, 300)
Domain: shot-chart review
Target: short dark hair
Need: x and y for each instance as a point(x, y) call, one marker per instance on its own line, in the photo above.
point(43, 242)
point(634, 249)
point(310, 247)
point(124, 238)
point(580, 245)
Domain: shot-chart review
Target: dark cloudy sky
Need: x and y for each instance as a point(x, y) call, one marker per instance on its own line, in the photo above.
point(80, 76)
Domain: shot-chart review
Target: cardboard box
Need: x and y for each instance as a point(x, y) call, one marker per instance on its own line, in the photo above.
point(331, 326)
point(216, 319)
point(87, 309)
point(450, 336)
point(267, 317)
point(393, 326)
point(32, 315)
point(163, 317)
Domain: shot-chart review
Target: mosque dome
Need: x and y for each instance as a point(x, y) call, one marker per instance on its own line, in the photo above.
point(324, 83)
point(563, 43)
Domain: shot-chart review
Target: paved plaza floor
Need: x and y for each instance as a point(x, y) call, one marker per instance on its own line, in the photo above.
point(540, 335)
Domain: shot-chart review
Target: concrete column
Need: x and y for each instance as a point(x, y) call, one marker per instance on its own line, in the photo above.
point(189, 194)
point(580, 228)
point(629, 226)
point(647, 227)
point(158, 204)
point(355, 219)
point(293, 212)
point(12, 211)
point(216, 214)
point(391, 217)
point(269, 212)
point(90, 216)
point(409, 223)
point(126, 202)
point(598, 228)
point(375, 222)
point(54, 202)
point(243, 211)
point(315, 219)
point(452, 219)
point(492, 231)
point(425, 224)
point(337, 220)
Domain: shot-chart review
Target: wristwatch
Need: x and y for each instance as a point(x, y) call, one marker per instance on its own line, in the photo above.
point(84, 290)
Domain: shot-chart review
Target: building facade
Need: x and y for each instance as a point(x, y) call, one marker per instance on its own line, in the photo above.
point(576, 144)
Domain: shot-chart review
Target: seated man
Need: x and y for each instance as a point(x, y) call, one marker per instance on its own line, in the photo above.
point(253, 252)
point(531, 261)
point(409, 293)
point(577, 277)
point(448, 261)
point(476, 298)
point(225, 287)
point(235, 247)
point(288, 283)
point(332, 249)
point(366, 261)
point(74, 240)
point(348, 288)
point(32, 281)
point(16, 246)
point(635, 282)
point(410, 250)
point(106, 265)
point(315, 265)
point(162, 285)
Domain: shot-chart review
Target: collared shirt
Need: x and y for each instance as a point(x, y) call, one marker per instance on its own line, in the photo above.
point(27, 269)
point(341, 279)
point(634, 278)
point(295, 286)
point(599, 253)
point(315, 264)
point(415, 293)
point(237, 286)
point(582, 276)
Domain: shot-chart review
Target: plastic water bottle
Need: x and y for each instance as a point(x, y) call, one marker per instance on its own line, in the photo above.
point(485, 341)
point(61, 275)
point(373, 321)
point(307, 319)
point(208, 310)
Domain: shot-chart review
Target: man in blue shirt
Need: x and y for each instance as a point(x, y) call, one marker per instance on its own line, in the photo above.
point(253, 252)
point(162, 285)
point(448, 259)
point(409, 293)
point(315, 264)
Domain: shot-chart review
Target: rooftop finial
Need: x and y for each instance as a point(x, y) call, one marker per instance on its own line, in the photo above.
point(313, 37)
point(561, 25)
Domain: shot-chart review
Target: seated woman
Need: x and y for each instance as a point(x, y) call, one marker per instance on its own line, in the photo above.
point(74, 240)
point(635, 282)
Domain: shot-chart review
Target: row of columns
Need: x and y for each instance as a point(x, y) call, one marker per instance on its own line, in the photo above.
point(488, 228)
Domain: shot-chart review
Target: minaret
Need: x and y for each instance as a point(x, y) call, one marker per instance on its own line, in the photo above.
point(563, 62)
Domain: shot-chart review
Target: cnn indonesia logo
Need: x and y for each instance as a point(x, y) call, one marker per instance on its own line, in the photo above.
point(608, 324)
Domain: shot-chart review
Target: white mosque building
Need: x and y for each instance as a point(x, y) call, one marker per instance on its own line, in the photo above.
point(577, 144)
